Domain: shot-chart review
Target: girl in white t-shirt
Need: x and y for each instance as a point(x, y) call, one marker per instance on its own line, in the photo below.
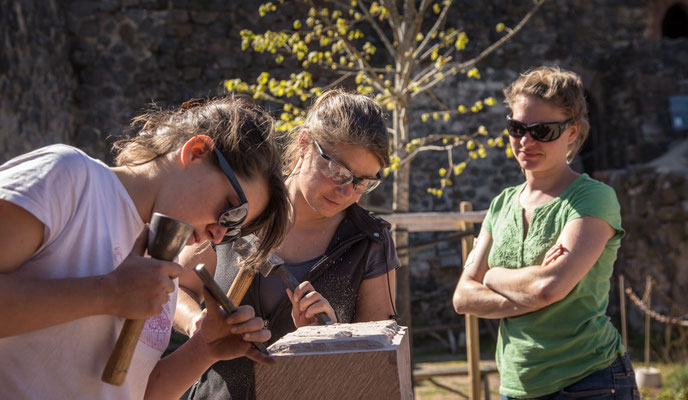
point(72, 239)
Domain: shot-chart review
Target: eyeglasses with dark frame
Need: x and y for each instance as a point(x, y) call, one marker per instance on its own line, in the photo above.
point(542, 131)
point(231, 218)
point(341, 175)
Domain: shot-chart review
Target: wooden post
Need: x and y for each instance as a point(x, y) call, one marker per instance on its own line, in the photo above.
point(648, 286)
point(622, 305)
point(472, 340)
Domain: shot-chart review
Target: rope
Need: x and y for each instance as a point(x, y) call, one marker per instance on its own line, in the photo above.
point(652, 313)
point(669, 301)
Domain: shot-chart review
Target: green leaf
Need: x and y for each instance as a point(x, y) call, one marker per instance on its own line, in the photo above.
point(461, 41)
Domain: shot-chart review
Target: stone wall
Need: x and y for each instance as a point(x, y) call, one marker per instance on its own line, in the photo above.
point(629, 76)
point(654, 204)
point(77, 71)
point(36, 77)
point(654, 213)
point(131, 53)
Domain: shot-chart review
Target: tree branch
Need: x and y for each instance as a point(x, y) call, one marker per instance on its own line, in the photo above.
point(438, 22)
point(436, 45)
point(431, 147)
point(369, 18)
point(418, 17)
point(378, 29)
point(410, 27)
point(393, 19)
point(437, 100)
point(485, 52)
point(363, 64)
point(339, 80)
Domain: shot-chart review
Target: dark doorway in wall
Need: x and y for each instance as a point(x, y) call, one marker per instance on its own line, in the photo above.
point(675, 23)
point(591, 152)
point(598, 152)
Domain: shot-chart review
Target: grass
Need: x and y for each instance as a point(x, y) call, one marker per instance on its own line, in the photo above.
point(426, 390)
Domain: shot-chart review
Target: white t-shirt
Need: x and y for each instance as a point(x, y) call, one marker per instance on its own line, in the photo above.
point(91, 224)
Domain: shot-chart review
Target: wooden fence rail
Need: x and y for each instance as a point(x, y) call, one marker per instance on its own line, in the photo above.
point(434, 221)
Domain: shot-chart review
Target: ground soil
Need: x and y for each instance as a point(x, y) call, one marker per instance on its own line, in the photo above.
point(426, 390)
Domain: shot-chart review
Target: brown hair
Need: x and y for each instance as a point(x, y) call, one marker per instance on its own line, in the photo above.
point(241, 130)
point(561, 88)
point(339, 117)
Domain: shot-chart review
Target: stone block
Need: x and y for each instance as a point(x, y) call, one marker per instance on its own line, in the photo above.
point(367, 360)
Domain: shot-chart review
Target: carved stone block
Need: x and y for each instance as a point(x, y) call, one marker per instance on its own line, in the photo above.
point(369, 360)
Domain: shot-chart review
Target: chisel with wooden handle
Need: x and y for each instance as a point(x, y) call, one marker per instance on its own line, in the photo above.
point(221, 299)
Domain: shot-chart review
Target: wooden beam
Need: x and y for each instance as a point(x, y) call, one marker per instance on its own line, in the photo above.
point(435, 221)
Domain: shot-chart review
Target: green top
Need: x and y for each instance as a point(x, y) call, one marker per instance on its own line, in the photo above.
point(544, 351)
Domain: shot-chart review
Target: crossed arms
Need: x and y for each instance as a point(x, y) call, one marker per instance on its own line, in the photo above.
point(502, 292)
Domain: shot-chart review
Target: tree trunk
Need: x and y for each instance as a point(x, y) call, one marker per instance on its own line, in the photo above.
point(400, 204)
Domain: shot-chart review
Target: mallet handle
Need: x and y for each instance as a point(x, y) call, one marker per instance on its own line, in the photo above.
point(116, 369)
point(166, 238)
point(240, 285)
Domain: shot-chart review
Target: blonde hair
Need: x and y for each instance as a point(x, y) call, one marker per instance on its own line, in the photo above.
point(340, 117)
point(240, 130)
point(562, 89)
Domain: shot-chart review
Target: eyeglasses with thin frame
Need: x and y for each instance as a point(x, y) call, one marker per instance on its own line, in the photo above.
point(542, 131)
point(231, 218)
point(341, 175)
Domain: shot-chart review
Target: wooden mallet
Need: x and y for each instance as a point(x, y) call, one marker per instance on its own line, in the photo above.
point(166, 238)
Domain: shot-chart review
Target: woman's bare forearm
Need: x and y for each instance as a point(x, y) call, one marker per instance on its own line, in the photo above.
point(472, 297)
point(31, 304)
point(187, 313)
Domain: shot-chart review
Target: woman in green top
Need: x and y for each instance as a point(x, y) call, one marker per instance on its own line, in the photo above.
point(545, 254)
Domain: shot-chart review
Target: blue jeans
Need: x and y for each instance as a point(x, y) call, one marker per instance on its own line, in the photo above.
point(617, 382)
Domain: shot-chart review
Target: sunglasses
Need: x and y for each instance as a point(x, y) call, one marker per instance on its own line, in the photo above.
point(341, 175)
point(542, 131)
point(233, 217)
